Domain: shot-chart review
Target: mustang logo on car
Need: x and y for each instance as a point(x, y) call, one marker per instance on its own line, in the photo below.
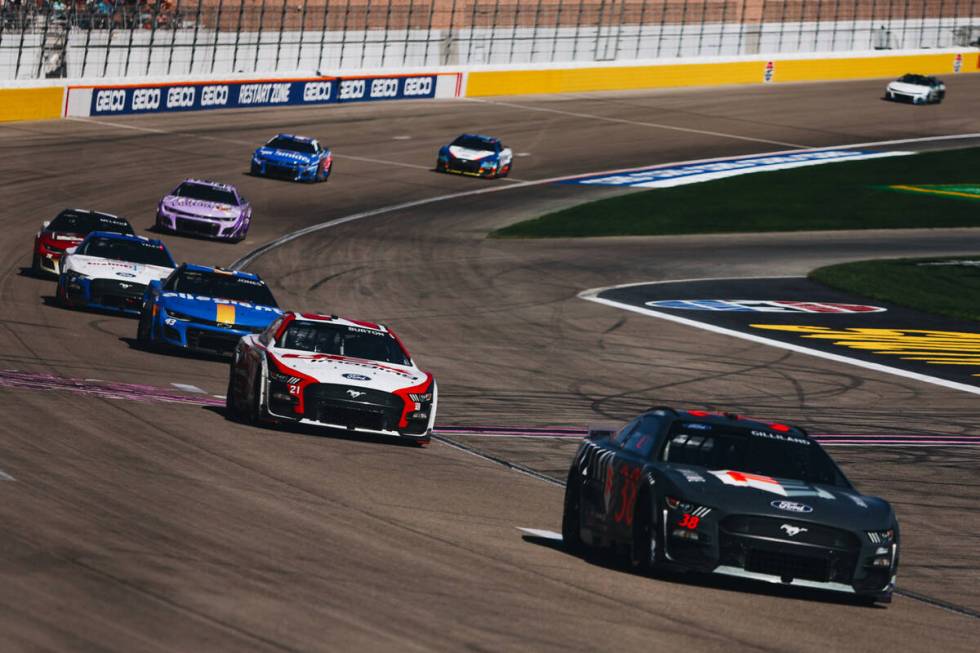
point(791, 506)
point(354, 394)
point(793, 531)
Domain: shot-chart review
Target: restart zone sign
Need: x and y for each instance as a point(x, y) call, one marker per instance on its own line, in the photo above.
point(202, 96)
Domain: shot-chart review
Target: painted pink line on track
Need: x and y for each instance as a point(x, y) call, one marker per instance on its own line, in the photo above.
point(101, 389)
point(39, 381)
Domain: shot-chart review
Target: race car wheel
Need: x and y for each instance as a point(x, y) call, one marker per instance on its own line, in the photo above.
point(255, 170)
point(143, 330)
point(232, 410)
point(62, 296)
point(646, 547)
point(256, 412)
point(36, 266)
point(571, 518)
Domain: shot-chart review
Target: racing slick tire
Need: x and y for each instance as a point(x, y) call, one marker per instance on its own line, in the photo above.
point(571, 517)
point(36, 268)
point(61, 296)
point(646, 549)
point(324, 174)
point(255, 170)
point(232, 409)
point(143, 330)
point(255, 413)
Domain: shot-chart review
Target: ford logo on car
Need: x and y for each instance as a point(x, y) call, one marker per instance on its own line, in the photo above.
point(790, 506)
point(357, 377)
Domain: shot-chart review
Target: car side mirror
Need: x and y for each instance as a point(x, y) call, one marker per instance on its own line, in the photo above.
point(45, 224)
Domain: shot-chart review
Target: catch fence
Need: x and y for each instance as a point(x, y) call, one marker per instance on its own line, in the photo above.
point(136, 38)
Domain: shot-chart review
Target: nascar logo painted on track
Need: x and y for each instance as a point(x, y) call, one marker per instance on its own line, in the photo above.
point(763, 306)
point(927, 346)
point(692, 173)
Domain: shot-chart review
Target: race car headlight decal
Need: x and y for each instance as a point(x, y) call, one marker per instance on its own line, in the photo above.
point(279, 377)
point(411, 405)
point(177, 315)
point(76, 277)
point(421, 398)
point(881, 537)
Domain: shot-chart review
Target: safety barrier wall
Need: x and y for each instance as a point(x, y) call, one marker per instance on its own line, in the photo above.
point(37, 101)
point(543, 80)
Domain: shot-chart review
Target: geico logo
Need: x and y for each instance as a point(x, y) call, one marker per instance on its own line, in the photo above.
point(351, 89)
point(180, 96)
point(384, 87)
point(214, 96)
point(145, 99)
point(317, 91)
point(110, 100)
point(418, 85)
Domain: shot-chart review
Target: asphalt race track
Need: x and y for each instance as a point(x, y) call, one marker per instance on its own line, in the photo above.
point(136, 517)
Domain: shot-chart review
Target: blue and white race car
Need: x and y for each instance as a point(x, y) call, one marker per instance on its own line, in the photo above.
point(293, 157)
point(205, 309)
point(110, 271)
point(476, 155)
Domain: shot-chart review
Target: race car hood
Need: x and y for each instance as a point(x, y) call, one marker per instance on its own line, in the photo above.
point(223, 311)
point(754, 494)
point(284, 156)
point(104, 268)
point(466, 154)
point(355, 372)
point(912, 89)
point(201, 208)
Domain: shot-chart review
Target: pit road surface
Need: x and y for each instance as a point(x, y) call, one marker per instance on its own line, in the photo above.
point(151, 526)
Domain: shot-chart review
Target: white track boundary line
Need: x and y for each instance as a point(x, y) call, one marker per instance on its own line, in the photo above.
point(592, 295)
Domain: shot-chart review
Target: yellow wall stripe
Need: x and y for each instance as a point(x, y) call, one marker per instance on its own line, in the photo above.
point(620, 78)
point(31, 103)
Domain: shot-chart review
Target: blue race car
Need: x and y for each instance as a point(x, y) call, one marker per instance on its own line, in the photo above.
point(205, 309)
point(475, 155)
point(109, 271)
point(293, 157)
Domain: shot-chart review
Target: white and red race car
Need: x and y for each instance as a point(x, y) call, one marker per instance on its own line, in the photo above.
point(325, 370)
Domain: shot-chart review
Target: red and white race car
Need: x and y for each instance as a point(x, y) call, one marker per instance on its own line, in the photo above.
point(329, 371)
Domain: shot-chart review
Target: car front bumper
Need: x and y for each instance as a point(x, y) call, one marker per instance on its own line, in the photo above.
point(103, 294)
point(197, 336)
point(186, 224)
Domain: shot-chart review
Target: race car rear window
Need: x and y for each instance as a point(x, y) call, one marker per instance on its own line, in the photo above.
point(206, 193)
point(756, 452)
point(291, 145)
point(474, 143)
point(221, 286)
point(134, 251)
point(84, 223)
point(343, 340)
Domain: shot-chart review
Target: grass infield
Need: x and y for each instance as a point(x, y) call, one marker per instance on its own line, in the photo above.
point(846, 195)
point(944, 289)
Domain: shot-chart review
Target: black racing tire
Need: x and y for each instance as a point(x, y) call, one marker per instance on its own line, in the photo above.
point(255, 170)
point(143, 330)
point(62, 297)
point(646, 549)
point(571, 519)
point(232, 410)
point(36, 268)
point(255, 414)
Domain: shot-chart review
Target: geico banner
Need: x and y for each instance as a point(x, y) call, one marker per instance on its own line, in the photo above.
point(201, 96)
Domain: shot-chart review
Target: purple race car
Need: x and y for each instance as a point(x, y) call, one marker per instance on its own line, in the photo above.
point(199, 207)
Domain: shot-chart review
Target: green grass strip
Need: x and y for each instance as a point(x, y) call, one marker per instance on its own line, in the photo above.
point(846, 195)
point(950, 290)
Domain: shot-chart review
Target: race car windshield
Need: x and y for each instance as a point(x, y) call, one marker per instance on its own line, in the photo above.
point(292, 146)
point(206, 194)
point(344, 341)
point(757, 452)
point(127, 250)
point(474, 143)
point(85, 223)
point(916, 79)
point(221, 286)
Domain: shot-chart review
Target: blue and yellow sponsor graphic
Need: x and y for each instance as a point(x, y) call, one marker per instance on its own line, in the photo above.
point(923, 345)
point(957, 191)
point(692, 173)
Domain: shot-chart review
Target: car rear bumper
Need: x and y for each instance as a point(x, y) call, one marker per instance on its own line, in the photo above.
point(286, 171)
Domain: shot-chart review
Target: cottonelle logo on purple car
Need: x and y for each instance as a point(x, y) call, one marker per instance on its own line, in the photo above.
point(763, 306)
point(201, 96)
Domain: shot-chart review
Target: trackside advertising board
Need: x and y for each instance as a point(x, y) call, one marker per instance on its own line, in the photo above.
point(206, 95)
